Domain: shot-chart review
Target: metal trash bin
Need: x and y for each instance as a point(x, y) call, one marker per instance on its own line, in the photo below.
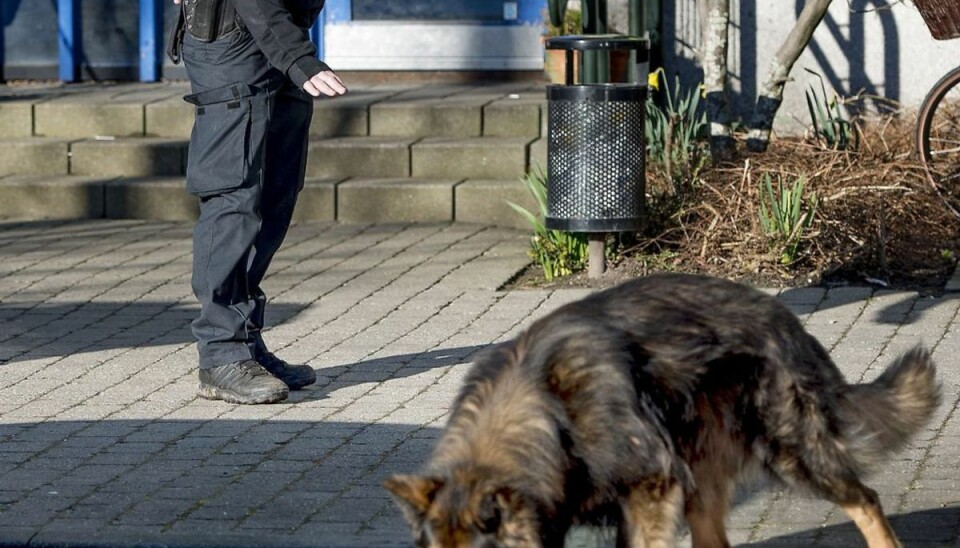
point(596, 144)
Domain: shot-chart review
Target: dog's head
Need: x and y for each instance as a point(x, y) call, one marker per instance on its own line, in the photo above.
point(465, 509)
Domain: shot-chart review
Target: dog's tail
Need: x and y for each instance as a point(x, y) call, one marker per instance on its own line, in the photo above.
point(880, 417)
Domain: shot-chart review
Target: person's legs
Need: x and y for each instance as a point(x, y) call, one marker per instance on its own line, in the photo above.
point(232, 84)
point(285, 162)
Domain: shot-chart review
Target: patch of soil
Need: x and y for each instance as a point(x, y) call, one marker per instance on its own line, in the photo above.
point(878, 221)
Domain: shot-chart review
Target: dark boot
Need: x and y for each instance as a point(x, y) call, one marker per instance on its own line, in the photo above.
point(295, 376)
point(242, 382)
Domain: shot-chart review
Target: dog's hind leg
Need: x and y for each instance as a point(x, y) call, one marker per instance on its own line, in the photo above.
point(873, 525)
point(650, 515)
point(707, 507)
point(858, 501)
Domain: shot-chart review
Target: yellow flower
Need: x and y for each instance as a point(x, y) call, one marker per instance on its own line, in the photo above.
point(653, 80)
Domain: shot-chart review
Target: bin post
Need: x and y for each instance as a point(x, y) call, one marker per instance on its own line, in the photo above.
point(596, 149)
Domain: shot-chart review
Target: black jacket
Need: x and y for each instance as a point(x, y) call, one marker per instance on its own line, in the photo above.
point(281, 29)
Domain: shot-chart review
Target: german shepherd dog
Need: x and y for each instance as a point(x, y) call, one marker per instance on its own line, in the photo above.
point(650, 400)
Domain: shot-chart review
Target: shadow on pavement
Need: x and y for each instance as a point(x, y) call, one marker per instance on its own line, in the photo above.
point(28, 330)
point(215, 482)
point(223, 482)
point(924, 528)
point(894, 314)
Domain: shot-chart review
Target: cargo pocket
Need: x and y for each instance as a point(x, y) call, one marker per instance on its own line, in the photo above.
point(226, 139)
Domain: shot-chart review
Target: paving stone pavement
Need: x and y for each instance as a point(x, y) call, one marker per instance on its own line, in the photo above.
point(103, 441)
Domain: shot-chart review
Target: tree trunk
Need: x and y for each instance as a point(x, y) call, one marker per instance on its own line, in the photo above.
point(771, 91)
point(715, 22)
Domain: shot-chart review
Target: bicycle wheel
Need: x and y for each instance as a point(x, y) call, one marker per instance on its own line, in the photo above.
point(938, 133)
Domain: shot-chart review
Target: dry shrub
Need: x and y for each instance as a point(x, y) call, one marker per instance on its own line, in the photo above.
point(878, 220)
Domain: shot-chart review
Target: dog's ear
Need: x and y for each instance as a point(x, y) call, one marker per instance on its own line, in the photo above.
point(491, 510)
point(413, 494)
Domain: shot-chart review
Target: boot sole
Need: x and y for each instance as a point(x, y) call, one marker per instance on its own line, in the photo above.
point(215, 393)
point(297, 384)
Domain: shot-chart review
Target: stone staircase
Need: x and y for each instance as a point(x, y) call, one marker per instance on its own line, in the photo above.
point(387, 153)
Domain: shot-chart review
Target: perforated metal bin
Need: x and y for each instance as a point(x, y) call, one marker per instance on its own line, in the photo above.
point(595, 144)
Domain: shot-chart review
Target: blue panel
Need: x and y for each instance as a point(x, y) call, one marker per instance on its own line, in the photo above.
point(316, 33)
point(151, 41)
point(68, 30)
point(338, 11)
point(531, 11)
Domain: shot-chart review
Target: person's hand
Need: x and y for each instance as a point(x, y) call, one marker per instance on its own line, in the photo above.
point(324, 83)
point(177, 1)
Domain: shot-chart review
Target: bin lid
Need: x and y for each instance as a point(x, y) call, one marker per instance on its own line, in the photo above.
point(597, 41)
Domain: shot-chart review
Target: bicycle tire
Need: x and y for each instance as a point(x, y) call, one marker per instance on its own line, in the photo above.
point(938, 132)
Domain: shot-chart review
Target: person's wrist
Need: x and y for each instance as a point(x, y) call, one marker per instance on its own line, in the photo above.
point(305, 68)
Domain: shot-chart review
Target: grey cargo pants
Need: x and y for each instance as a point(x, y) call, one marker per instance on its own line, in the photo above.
point(246, 163)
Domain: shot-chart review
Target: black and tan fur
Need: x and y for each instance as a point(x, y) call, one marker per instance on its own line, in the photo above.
point(645, 403)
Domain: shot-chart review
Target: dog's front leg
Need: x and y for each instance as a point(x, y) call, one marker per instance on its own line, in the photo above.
point(650, 516)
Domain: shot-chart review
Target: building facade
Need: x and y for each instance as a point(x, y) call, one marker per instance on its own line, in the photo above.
point(111, 39)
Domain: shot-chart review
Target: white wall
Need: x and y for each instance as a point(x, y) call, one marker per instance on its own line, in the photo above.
point(862, 45)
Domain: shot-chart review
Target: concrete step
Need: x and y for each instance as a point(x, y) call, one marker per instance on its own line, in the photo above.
point(171, 117)
point(37, 197)
point(34, 156)
point(158, 110)
point(517, 115)
point(337, 157)
point(486, 201)
point(474, 158)
point(116, 111)
point(360, 157)
point(453, 117)
point(396, 200)
point(317, 200)
point(387, 153)
point(358, 200)
point(154, 198)
point(104, 157)
point(143, 157)
point(346, 116)
point(16, 117)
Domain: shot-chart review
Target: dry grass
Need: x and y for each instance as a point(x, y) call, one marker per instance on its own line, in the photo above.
point(878, 221)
